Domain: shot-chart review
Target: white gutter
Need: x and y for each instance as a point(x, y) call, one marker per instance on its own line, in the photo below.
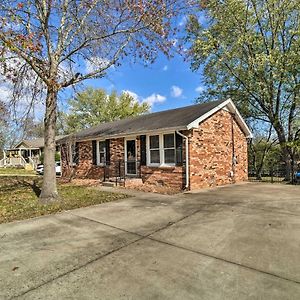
point(186, 159)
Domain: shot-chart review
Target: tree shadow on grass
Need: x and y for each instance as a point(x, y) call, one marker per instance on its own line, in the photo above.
point(33, 185)
point(30, 184)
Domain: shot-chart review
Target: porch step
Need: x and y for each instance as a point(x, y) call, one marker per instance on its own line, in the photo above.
point(29, 167)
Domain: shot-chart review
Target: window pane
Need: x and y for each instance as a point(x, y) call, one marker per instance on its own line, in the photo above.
point(102, 146)
point(170, 156)
point(130, 145)
point(154, 157)
point(102, 157)
point(154, 142)
point(169, 140)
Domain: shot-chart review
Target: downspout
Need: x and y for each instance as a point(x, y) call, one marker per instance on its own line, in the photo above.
point(234, 160)
point(186, 159)
point(233, 148)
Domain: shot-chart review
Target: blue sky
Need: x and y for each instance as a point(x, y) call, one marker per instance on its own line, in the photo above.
point(166, 84)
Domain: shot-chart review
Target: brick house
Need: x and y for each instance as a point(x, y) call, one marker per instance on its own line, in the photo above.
point(193, 147)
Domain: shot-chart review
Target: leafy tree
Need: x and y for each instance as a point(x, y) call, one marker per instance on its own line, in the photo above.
point(49, 45)
point(263, 154)
point(94, 106)
point(250, 52)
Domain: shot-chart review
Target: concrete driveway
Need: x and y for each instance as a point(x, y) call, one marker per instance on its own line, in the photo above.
point(234, 242)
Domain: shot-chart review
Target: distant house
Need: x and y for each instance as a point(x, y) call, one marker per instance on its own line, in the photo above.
point(26, 153)
point(197, 146)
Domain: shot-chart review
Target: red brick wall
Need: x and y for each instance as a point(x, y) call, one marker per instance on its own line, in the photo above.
point(85, 167)
point(210, 152)
point(116, 156)
point(210, 157)
point(173, 177)
point(167, 176)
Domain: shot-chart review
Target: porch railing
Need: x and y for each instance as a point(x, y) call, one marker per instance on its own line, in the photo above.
point(17, 162)
point(32, 162)
point(118, 170)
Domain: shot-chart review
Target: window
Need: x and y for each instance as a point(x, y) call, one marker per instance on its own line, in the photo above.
point(154, 149)
point(161, 149)
point(101, 151)
point(169, 148)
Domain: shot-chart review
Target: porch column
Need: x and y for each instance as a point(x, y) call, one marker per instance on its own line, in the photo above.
point(4, 157)
point(30, 153)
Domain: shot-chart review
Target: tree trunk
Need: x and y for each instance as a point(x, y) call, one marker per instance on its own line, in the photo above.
point(49, 188)
point(288, 166)
point(258, 173)
point(286, 154)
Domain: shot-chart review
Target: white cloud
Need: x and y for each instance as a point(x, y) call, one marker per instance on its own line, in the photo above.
point(176, 91)
point(132, 94)
point(154, 98)
point(95, 63)
point(151, 100)
point(199, 89)
point(165, 68)
point(5, 93)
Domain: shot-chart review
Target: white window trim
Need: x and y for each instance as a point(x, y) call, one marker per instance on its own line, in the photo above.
point(98, 153)
point(161, 150)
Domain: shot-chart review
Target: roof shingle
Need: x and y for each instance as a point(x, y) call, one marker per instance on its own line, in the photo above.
point(177, 118)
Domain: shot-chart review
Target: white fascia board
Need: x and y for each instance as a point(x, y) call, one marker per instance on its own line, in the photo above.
point(232, 108)
point(240, 119)
point(19, 144)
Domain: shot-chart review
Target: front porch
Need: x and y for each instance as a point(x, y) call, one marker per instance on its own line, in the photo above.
point(27, 158)
point(122, 173)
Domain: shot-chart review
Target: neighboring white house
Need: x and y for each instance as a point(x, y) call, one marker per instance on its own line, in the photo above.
point(25, 154)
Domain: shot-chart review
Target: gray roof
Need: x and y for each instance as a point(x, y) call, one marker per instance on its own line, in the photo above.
point(36, 143)
point(177, 119)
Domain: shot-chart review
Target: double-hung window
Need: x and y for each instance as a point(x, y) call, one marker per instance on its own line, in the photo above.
point(169, 148)
point(101, 153)
point(154, 149)
point(161, 149)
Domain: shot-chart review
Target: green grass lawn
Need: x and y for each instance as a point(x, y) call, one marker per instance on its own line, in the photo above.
point(16, 171)
point(19, 198)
